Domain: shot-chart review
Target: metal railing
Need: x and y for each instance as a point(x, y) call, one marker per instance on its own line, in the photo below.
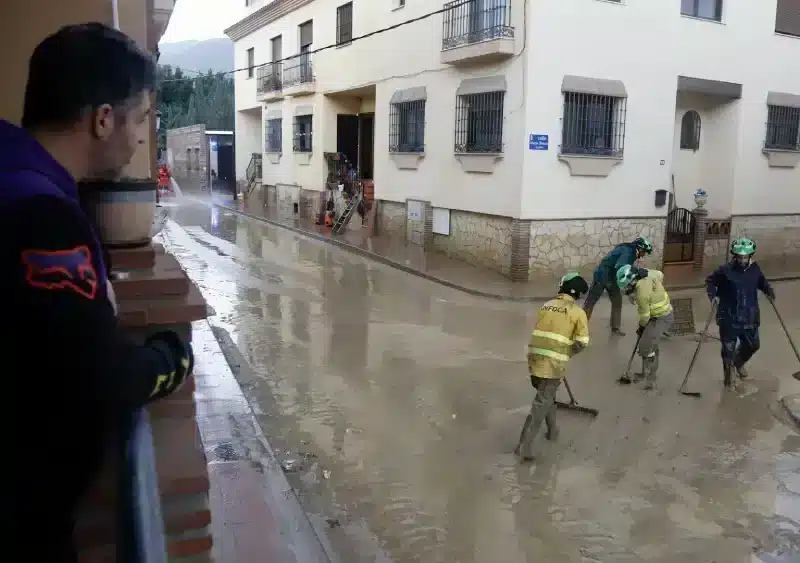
point(474, 21)
point(298, 70)
point(253, 171)
point(141, 528)
point(783, 128)
point(273, 135)
point(593, 124)
point(479, 123)
point(269, 78)
point(407, 126)
point(302, 140)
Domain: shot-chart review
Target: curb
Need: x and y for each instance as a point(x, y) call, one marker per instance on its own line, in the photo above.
point(315, 546)
point(441, 281)
point(388, 261)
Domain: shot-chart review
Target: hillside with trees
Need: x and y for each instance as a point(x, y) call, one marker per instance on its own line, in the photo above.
point(187, 99)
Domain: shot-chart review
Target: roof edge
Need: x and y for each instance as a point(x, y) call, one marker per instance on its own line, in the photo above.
point(263, 16)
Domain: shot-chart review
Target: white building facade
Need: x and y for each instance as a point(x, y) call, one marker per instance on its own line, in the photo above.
point(531, 136)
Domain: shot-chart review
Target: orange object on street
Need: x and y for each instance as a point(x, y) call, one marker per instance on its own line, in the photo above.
point(163, 178)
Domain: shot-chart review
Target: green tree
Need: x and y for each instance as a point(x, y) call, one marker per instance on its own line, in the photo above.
point(189, 100)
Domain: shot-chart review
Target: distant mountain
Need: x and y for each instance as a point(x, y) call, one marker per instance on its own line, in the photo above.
point(214, 54)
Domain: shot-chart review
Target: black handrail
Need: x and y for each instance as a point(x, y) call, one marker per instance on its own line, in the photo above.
point(141, 537)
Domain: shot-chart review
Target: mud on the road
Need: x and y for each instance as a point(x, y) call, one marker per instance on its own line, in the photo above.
point(398, 403)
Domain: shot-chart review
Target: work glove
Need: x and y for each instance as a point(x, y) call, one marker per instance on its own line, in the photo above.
point(640, 330)
point(181, 353)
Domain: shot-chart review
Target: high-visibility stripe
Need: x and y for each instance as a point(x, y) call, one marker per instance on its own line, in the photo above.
point(550, 354)
point(582, 339)
point(550, 344)
point(553, 336)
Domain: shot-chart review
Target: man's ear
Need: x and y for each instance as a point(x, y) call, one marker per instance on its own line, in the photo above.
point(103, 122)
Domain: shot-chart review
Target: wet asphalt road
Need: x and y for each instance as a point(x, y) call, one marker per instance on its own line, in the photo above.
point(395, 403)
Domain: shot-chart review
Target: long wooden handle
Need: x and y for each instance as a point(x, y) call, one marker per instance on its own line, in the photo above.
point(699, 344)
point(786, 330)
point(569, 392)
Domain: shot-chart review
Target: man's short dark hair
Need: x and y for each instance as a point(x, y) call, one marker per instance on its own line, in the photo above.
point(79, 68)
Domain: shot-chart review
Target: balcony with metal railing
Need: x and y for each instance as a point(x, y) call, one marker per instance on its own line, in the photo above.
point(476, 30)
point(298, 76)
point(269, 82)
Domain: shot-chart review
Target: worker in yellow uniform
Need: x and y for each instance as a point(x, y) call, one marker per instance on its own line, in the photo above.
point(655, 314)
point(561, 331)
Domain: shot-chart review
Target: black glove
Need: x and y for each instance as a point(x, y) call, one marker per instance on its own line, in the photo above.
point(771, 294)
point(181, 352)
point(640, 330)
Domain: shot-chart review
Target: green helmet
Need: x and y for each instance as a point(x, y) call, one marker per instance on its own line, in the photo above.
point(643, 243)
point(626, 275)
point(573, 284)
point(743, 246)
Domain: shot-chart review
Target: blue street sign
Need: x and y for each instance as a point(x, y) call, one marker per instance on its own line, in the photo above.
point(538, 142)
point(214, 146)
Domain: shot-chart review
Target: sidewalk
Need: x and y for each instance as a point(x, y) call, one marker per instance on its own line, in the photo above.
point(255, 515)
point(449, 272)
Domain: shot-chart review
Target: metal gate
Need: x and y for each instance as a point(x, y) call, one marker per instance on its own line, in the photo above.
point(679, 238)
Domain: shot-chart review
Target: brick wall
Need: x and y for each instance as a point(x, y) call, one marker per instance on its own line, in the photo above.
point(159, 296)
point(187, 154)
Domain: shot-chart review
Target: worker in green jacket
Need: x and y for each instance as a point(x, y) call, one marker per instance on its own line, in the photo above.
point(605, 276)
point(654, 311)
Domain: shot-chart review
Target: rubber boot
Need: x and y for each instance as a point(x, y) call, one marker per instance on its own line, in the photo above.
point(649, 368)
point(727, 370)
point(525, 426)
point(552, 429)
point(738, 364)
point(529, 434)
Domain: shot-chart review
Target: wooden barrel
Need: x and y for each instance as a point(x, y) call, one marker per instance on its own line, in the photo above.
point(122, 211)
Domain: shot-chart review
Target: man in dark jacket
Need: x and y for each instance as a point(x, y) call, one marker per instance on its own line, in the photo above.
point(605, 278)
point(87, 109)
point(735, 285)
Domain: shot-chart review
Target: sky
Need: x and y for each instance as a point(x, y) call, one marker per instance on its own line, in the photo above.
point(201, 19)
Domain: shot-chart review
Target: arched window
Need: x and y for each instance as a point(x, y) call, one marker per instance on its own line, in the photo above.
point(690, 130)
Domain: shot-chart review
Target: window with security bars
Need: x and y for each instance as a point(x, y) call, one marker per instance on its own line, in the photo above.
point(690, 131)
point(783, 128)
point(344, 23)
point(705, 9)
point(479, 122)
point(274, 135)
point(407, 126)
point(593, 124)
point(302, 133)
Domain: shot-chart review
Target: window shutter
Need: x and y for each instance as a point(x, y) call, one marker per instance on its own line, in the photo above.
point(306, 34)
point(787, 19)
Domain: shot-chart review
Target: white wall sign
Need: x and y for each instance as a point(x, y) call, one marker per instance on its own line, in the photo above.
point(414, 210)
point(441, 221)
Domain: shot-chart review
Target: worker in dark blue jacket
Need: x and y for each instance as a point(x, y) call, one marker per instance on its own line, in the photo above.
point(605, 278)
point(68, 373)
point(735, 285)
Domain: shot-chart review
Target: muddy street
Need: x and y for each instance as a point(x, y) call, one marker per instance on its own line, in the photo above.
point(394, 405)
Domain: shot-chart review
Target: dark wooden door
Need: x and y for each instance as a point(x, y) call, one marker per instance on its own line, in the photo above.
point(366, 145)
point(347, 137)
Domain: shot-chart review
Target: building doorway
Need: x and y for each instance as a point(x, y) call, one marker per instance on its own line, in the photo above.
point(347, 138)
point(366, 145)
